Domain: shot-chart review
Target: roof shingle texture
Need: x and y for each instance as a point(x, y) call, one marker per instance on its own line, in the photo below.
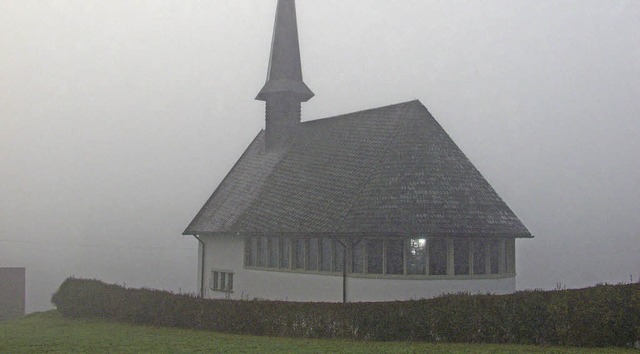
point(390, 171)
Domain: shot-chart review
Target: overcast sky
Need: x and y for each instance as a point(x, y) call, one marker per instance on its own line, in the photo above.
point(119, 118)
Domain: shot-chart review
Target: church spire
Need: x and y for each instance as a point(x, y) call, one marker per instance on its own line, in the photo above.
point(284, 90)
point(285, 68)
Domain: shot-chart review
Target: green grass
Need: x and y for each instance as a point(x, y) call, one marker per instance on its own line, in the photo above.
point(50, 332)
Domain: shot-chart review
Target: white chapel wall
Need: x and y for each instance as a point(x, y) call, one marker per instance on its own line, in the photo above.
point(225, 254)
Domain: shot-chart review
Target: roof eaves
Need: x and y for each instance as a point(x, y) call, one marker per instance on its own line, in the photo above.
point(354, 234)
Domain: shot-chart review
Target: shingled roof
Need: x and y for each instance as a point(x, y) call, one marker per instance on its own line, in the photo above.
point(390, 171)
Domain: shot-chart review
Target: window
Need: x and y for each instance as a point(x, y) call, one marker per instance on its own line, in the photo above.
point(229, 281)
point(326, 248)
point(221, 281)
point(248, 252)
point(358, 255)
point(437, 256)
point(285, 253)
point(480, 257)
point(374, 256)
point(312, 263)
point(263, 248)
point(274, 252)
point(510, 256)
point(394, 256)
point(383, 256)
point(299, 250)
point(215, 284)
point(417, 256)
point(495, 256)
point(461, 256)
point(338, 259)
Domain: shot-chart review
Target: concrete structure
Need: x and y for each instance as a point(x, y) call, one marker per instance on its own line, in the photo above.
point(374, 205)
point(12, 293)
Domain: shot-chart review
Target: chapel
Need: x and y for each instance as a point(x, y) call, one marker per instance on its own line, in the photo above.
point(376, 205)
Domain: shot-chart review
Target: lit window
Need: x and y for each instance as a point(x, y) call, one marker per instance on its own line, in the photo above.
point(416, 259)
point(391, 256)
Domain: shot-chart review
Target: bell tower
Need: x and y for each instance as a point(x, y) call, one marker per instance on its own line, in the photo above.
point(284, 90)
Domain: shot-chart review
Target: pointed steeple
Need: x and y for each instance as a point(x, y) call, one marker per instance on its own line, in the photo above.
point(284, 90)
point(285, 68)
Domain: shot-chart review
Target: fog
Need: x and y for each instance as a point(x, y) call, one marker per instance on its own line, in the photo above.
point(118, 119)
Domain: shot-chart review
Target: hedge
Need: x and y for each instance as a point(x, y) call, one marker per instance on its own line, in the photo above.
point(604, 315)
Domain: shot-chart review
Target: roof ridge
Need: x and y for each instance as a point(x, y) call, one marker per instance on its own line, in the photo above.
point(410, 102)
point(379, 158)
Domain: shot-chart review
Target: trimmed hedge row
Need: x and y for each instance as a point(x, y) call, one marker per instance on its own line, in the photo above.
point(604, 315)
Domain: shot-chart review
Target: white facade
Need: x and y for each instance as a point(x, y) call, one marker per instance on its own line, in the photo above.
point(224, 254)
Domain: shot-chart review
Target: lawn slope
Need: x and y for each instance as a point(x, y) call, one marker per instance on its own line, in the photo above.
point(50, 332)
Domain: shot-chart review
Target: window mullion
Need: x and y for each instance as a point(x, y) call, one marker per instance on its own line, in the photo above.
point(384, 257)
point(405, 252)
point(427, 266)
point(487, 254)
point(450, 257)
point(471, 252)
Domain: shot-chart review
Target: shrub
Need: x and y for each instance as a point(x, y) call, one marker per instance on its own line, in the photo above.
point(605, 315)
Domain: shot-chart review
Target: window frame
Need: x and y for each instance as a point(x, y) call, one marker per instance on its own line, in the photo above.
point(496, 254)
point(221, 280)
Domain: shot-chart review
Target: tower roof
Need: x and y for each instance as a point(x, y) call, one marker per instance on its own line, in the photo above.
point(285, 68)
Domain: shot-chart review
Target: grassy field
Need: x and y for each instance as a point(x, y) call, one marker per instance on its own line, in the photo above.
point(50, 332)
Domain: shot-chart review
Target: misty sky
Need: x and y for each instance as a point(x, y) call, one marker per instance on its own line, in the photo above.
point(119, 118)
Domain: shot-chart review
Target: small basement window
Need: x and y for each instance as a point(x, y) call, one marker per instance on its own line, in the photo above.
point(221, 281)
